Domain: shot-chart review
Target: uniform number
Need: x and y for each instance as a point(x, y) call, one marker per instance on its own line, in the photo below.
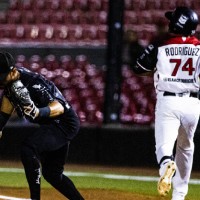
point(187, 66)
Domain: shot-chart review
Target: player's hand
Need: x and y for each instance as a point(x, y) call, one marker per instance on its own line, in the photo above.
point(1, 133)
point(31, 111)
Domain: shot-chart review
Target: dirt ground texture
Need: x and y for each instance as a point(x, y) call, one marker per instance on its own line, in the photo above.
point(51, 194)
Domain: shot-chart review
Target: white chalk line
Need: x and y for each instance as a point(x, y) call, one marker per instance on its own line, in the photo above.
point(11, 198)
point(103, 175)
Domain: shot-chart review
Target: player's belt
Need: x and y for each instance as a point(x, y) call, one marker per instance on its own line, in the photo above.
point(191, 94)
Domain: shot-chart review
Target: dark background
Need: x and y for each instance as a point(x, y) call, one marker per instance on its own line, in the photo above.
point(106, 145)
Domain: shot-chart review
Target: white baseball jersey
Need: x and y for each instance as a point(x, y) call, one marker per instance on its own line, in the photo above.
point(176, 64)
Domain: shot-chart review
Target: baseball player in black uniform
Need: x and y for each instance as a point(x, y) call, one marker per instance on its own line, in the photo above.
point(39, 101)
point(175, 63)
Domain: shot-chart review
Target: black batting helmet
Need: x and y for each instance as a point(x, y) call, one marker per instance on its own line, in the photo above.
point(183, 21)
point(6, 64)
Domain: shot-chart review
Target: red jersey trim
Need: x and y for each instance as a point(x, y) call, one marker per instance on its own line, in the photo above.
point(182, 40)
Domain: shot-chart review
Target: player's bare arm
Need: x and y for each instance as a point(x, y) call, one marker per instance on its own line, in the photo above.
point(56, 109)
point(6, 106)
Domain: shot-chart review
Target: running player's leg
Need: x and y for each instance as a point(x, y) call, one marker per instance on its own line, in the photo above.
point(184, 161)
point(166, 131)
point(167, 124)
point(185, 149)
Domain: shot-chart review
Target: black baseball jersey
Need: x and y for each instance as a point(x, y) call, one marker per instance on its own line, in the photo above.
point(43, 92)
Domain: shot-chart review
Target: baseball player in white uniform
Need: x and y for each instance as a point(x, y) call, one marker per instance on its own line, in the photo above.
point(175, 63)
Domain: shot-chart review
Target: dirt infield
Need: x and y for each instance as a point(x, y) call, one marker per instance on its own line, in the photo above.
point(51, 194)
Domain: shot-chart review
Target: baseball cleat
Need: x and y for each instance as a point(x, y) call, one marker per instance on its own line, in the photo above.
point(164, 183)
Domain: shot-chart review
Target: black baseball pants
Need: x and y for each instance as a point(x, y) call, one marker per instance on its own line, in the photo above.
point(47, 149)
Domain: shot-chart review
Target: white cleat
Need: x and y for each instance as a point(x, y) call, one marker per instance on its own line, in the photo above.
point(164, 183)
